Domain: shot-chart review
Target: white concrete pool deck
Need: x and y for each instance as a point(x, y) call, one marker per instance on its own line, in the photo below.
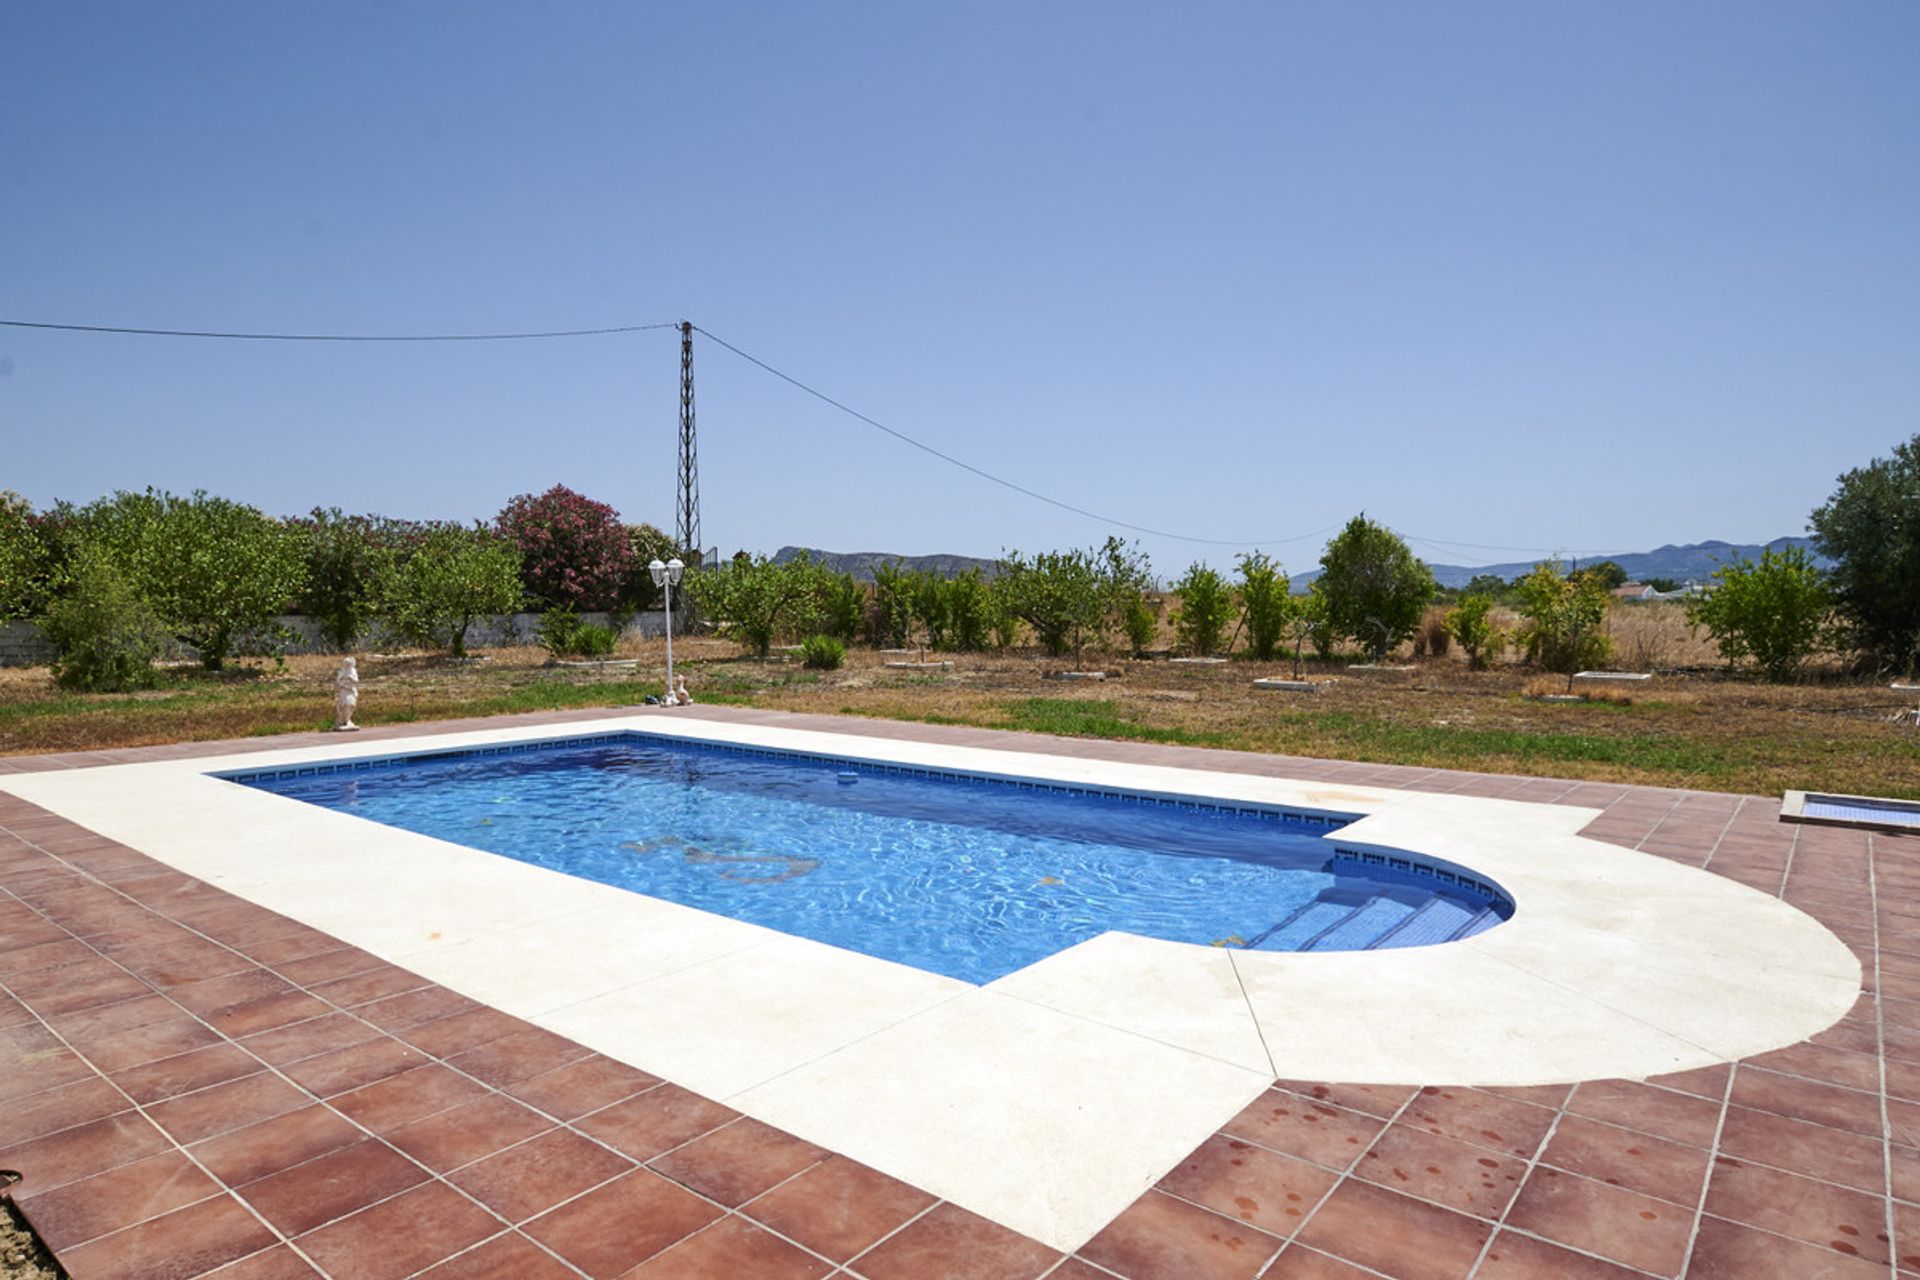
point(1050, 1099)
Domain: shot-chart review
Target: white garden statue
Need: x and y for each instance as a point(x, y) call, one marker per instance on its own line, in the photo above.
point(681, 696)
point(346, 695)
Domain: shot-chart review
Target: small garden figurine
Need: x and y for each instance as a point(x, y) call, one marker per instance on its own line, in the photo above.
point(346, 695)
point(681, 696)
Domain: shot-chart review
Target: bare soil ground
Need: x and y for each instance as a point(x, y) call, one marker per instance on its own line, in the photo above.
point(1690, 726)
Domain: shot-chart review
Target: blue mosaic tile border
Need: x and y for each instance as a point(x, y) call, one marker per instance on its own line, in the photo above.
point(1299, 817)
point(1411, 869)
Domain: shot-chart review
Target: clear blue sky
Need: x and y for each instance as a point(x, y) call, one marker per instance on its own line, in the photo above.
point(1541, 276)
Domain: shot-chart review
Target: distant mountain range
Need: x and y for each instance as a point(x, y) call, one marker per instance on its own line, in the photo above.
point(1689, 562)
point(861, 563)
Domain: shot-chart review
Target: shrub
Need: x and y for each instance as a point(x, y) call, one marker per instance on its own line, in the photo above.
point(1060, 594)
point(645, 544)
point(1432, 636)
point(1206, 607)
point(343, 558)
point(30, 558)
point(1374, 588)
point(595, 640)
point(104, 635)
point(840, 605)
point(1265, 601)
point(968, 607)
point(1141, 625)
point(1471, 623)
point(1773, 610)
point(1003, 624)
point(214, 571)
point(753, 598)
point(822, 653)
point(431, 592)
point(573, 551)
point(890, 615)
point(1307, 623)
point(1870, 527)
point(1563, 619)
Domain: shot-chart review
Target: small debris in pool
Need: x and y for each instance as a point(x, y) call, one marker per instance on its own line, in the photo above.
point(847, 776)
point(1051, 880)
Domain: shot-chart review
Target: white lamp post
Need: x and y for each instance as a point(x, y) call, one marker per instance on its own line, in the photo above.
point(667, 577)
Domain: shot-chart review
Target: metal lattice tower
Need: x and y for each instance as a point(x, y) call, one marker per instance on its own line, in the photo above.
point(686, 527)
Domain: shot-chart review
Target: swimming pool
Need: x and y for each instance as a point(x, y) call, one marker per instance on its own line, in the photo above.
point(961, 875)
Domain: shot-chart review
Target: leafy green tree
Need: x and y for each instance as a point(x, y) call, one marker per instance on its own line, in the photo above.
point(105, 637)
point(1609, 573)
point(29, 558)
point(1206, 607)
point(645, 544)
point(890, 615)
point(839, 606)
point(343, 558)
point(1870, 528)
point(214, 571)
point(1374, 587)
point(1307, 623)
point(1471, 625)
point(1487, 584)
point(1564, 614)
point(1266, 602)
point(967, 603)
point(1062, 595)
point(754, 599)
point(1140, 624)
point(1774, 610)
point(431, 592)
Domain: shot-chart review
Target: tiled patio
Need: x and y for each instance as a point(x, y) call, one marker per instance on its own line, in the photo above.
point(194, 1085)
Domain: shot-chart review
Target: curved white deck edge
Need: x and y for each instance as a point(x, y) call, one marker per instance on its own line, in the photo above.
point(1049, 1099)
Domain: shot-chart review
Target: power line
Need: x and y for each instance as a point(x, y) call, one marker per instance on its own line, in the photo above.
point(904, 438)
point(336, 337)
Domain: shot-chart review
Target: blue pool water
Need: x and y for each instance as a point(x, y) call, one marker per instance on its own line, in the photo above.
point(966, 877)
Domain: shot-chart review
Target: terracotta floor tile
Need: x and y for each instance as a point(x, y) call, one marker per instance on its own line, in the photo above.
point(839, 1207)
point(1596, 1218)
point(1300, 1126)
point(734, 1247)
point(1159, 1237)
point(242, 1155)
point(412, 1095)
point(655, 1121)
point(310, 1195)
point(1727, 1251)
point(530, 1179)
point(1832, 1155)
point(266, 1013)
point(1806, 1100)
point(1906, 1237)
point(207, 995)
point(186, 1242)
point(146, 1043)
point(1625, 1158)
point(444, 1037)
point(378, 983)
point(298, 943)
point(84, 1150)
point(1848, 1222)
point(469, 1132)
point(325, 966)
point(83, 1029)
point(1392, 1233)
point(1903, 1122)
point(586, 1084)
point(949, 1242)
point(1662, 1113)
point(233, 1105)
point(121, 1197)
point(505, 1257)
point(289, 1044)
point(278, 1263)
point(396, 1238)
point(1517, 1257)
point(739, 1161)
point(354, 1067)
point(1377, 1100)
point(614, 1228)
point(79, 987)
point(1906, 1174)
point(51, 1110)
point(1480, 1118)
point(1702, 1082)
point(1239, 1180)
point(1297, 1262)
point(1471, 1179)
point(518, 1057)
point(187, 1072)
point(1829, 1066)
point(410, 1009)
point(1553, 1096)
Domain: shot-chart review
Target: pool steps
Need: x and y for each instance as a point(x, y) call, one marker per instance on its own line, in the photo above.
point(1375, 923)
